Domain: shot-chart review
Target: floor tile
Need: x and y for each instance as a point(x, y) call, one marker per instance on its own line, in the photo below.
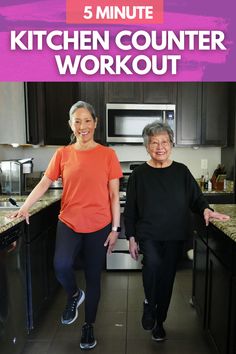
point(113, 300)
point(118, 328)
point(36, 347)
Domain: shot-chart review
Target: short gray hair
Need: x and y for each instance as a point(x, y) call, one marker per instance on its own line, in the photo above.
point(155, 128)
point(82, 104)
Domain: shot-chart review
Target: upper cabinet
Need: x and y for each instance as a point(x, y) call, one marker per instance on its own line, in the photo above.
point(123, 92)
point(188, 131)
point(58, 98)
point(141, 92)
point(12, 113)
point(48, 107)
point(202, 113)
point(159, 92)
point(215, 103)
point(93, 93)
point(201, 108)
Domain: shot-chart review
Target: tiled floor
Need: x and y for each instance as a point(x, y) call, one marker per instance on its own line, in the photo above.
point(118, 328)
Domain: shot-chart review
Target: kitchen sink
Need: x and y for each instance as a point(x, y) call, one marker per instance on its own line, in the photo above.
point(8, 205)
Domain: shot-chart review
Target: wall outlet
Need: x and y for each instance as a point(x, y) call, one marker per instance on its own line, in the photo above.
point(204, 164)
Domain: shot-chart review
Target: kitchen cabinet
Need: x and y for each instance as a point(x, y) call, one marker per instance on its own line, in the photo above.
point(141, 92)
point(202, 113)
point(188, 130)
point(93, 93)
point(201, 108)
point(123, 92)
point(218, 303)
point(58, 98)
point(214, 287)
point(48, 108)
point(159, 92)
point(40, 237)
point(200, 260)
point(232, 338)
point(12, 113)
point(215, 103)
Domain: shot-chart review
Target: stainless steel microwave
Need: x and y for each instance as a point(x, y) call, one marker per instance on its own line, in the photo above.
point(125, 122)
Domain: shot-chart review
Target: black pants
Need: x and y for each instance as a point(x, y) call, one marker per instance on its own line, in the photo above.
point(160, 260)
point(68, 244)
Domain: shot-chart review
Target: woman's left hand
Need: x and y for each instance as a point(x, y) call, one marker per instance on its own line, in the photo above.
point(111, 240)
point(209, 214)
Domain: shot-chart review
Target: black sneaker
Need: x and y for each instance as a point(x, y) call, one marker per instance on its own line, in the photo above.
point(148, 318)
point(71, 310)
point(87, 338)
point(158, 333)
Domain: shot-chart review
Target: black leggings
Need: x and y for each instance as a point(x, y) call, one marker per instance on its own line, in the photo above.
point(68, 244)
point(160, 260)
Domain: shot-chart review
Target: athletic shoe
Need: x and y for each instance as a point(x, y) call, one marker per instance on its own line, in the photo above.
point(148, 318)
point(158, 333)
point(71, 310)
point(87, 338)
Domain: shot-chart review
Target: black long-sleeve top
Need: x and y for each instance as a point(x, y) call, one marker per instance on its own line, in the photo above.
point(159, 201)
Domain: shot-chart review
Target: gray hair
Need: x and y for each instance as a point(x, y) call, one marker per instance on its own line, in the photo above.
point(155, 128)
point(85, 105)
point(77, 105)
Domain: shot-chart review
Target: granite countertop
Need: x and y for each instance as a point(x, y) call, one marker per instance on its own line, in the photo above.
point(228, 227)
point(48, 198)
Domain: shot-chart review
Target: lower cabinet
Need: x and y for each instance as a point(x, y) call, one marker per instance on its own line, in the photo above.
point(218, 303)
point(232, 337)
point(200, 278)
point(214, 288)
point(40, 246)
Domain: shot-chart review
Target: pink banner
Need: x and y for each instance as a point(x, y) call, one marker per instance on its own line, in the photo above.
point(113, 12)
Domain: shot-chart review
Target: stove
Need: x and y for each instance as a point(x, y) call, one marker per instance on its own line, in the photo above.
point(120, 258)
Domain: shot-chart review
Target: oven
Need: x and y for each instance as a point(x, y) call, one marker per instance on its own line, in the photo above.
point(120, 258)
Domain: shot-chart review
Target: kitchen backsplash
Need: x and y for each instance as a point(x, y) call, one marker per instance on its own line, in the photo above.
point(189, 156)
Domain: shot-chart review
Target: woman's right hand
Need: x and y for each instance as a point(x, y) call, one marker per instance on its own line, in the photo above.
point(21, 213)
point(133, 248)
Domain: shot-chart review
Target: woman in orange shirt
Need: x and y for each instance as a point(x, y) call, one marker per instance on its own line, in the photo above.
point(89, 219)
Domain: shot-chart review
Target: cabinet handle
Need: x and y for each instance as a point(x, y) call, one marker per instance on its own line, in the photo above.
point(12, 247)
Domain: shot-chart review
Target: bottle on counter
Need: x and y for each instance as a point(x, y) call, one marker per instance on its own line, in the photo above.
point(202, 180)
point(209, 186)
point(206, 180)
point(225, 185)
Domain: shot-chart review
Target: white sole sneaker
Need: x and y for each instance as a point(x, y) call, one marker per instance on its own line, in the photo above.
point(88, 346)
point(81, 300)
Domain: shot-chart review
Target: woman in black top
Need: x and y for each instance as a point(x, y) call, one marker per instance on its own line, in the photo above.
point(160, 194)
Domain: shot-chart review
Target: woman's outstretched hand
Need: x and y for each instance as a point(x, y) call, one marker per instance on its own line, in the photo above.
point(21, 213)
point(214, 215)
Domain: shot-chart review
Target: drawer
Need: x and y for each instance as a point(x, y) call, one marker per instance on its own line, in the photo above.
point(123, 261)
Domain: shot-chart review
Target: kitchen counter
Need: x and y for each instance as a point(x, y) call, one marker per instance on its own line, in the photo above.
point(227, 227)
point(48, 198)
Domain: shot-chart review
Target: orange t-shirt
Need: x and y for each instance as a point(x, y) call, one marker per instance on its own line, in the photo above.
point(85, 205)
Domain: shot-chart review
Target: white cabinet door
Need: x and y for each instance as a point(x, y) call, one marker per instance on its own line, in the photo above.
point(12, 113)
